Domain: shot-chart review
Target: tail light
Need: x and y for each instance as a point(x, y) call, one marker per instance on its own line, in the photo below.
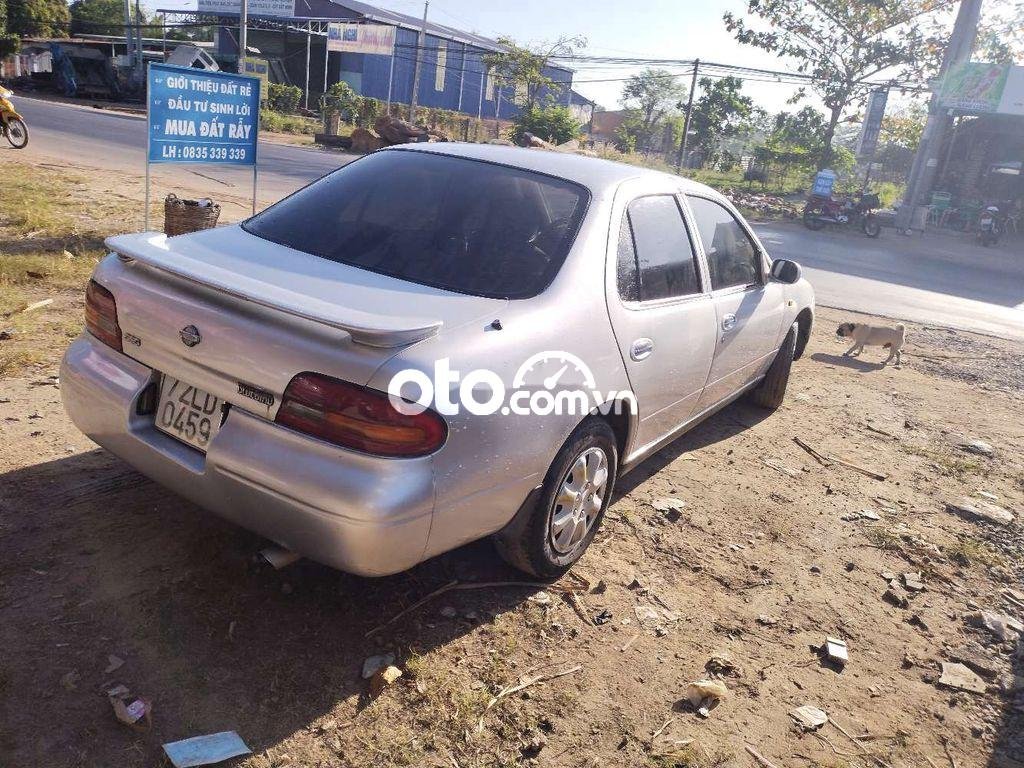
point(101, 315)
point(358, 418)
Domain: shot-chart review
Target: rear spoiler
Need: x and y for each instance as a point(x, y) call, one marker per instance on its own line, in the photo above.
point(153, 249)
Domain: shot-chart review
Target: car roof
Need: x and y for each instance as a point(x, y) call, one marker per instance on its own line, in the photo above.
point(594, 173)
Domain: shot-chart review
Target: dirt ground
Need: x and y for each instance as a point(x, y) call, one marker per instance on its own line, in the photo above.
point(769, 555)
point(760, 566)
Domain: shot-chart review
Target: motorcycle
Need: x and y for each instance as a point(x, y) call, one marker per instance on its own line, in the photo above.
point(820, 211)
point(12, 125)
point(989, 227)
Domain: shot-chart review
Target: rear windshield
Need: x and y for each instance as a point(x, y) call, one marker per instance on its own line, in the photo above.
point(462, 225)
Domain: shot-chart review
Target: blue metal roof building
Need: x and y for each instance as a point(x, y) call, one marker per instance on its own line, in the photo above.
point(452, 73)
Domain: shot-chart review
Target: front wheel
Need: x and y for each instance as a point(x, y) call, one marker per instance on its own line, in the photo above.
point(17, 133)
point(772, 390)
point(547, 538)
point(871, 225)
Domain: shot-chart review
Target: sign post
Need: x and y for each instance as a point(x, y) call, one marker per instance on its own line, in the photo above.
point(197, 116)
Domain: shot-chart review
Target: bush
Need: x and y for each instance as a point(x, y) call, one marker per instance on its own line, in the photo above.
point(553, 124)
point(283, 98)
point(342, 99)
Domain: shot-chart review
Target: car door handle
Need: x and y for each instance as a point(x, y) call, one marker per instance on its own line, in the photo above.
point(728, 322)
point(641, 349)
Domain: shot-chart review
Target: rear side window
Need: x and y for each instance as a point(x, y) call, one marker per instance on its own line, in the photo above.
point(447, 222)
point(626, 272)
point(732, 257)
point(665, 263)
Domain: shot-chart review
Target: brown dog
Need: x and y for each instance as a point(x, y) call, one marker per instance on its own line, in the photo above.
point(874, 335)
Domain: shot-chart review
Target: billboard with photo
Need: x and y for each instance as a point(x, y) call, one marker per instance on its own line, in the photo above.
point(376, 39)
point(983, 88)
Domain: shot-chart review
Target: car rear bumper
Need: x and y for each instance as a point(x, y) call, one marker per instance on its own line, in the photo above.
point(362, 514)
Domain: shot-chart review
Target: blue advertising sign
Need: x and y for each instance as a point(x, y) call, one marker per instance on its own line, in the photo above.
point(196, 116)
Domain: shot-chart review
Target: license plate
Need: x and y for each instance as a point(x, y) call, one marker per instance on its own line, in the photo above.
point(187, 413)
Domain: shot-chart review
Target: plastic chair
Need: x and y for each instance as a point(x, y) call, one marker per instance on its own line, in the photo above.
point(941, 202)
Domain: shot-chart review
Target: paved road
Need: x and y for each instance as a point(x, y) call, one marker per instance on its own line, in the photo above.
point(936, 279)
point(117, 141)
point(939, 280)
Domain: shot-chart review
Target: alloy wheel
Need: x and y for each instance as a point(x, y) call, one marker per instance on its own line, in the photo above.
point(579, 500)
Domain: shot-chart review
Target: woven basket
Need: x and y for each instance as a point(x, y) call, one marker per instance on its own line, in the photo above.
point(181, 216)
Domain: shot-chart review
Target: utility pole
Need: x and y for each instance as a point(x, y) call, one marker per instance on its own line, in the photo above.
point(689, 111)
point(421, 42)
point(243, 26)
point(128, 32)
point(138, 35)
point(926, 159)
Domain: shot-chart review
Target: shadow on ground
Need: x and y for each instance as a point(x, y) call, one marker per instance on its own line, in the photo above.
point(854, 363)
point(95, 559)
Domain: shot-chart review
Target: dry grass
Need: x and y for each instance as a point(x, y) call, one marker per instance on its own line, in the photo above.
point(971, 550)
point(51, 237)
point(948, 463)
point(694, 756)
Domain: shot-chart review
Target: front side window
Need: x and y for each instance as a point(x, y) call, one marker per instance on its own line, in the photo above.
point(666, 263)
point(447, 222)
point(731, 254)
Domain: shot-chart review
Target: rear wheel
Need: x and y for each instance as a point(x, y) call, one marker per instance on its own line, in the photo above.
point(811, 220)
point(546, 538)
point(772, 390)
point(871, 226)
point(17, 133)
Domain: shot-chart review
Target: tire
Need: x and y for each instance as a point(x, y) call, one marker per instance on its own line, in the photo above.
point(871, 226)
point(772, 390)
point(17, 133)
point(529, 542)
point(811, 220)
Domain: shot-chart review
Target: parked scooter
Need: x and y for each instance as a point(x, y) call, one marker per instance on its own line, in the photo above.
point(12, 125)
point(990, 226)
point(821, 211)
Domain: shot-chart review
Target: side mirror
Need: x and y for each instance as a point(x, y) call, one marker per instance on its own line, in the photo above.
point(786, 271)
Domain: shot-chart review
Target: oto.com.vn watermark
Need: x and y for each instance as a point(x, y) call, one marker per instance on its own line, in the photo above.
point(547, 383)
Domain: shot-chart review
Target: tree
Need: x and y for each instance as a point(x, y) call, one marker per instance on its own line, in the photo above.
point(721, 112)
point(903, 128)
point(98, 17)
point(523, 69)
point(38, 18)
point(845, 44)
point(804, 129)
point(648, 98)
point(1001, 34)
point(185, 34)
point(8, 43)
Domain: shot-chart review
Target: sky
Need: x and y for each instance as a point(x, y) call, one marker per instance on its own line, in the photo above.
point(673, 29)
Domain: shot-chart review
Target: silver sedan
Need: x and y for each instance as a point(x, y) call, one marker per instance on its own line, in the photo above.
point(431, 345)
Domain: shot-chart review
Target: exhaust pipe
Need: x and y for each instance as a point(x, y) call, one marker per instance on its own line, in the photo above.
point(279, 557)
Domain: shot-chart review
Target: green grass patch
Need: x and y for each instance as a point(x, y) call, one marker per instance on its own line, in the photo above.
point(278, 122)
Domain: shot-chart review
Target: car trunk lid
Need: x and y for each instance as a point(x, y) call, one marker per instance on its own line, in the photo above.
point(264, 312)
